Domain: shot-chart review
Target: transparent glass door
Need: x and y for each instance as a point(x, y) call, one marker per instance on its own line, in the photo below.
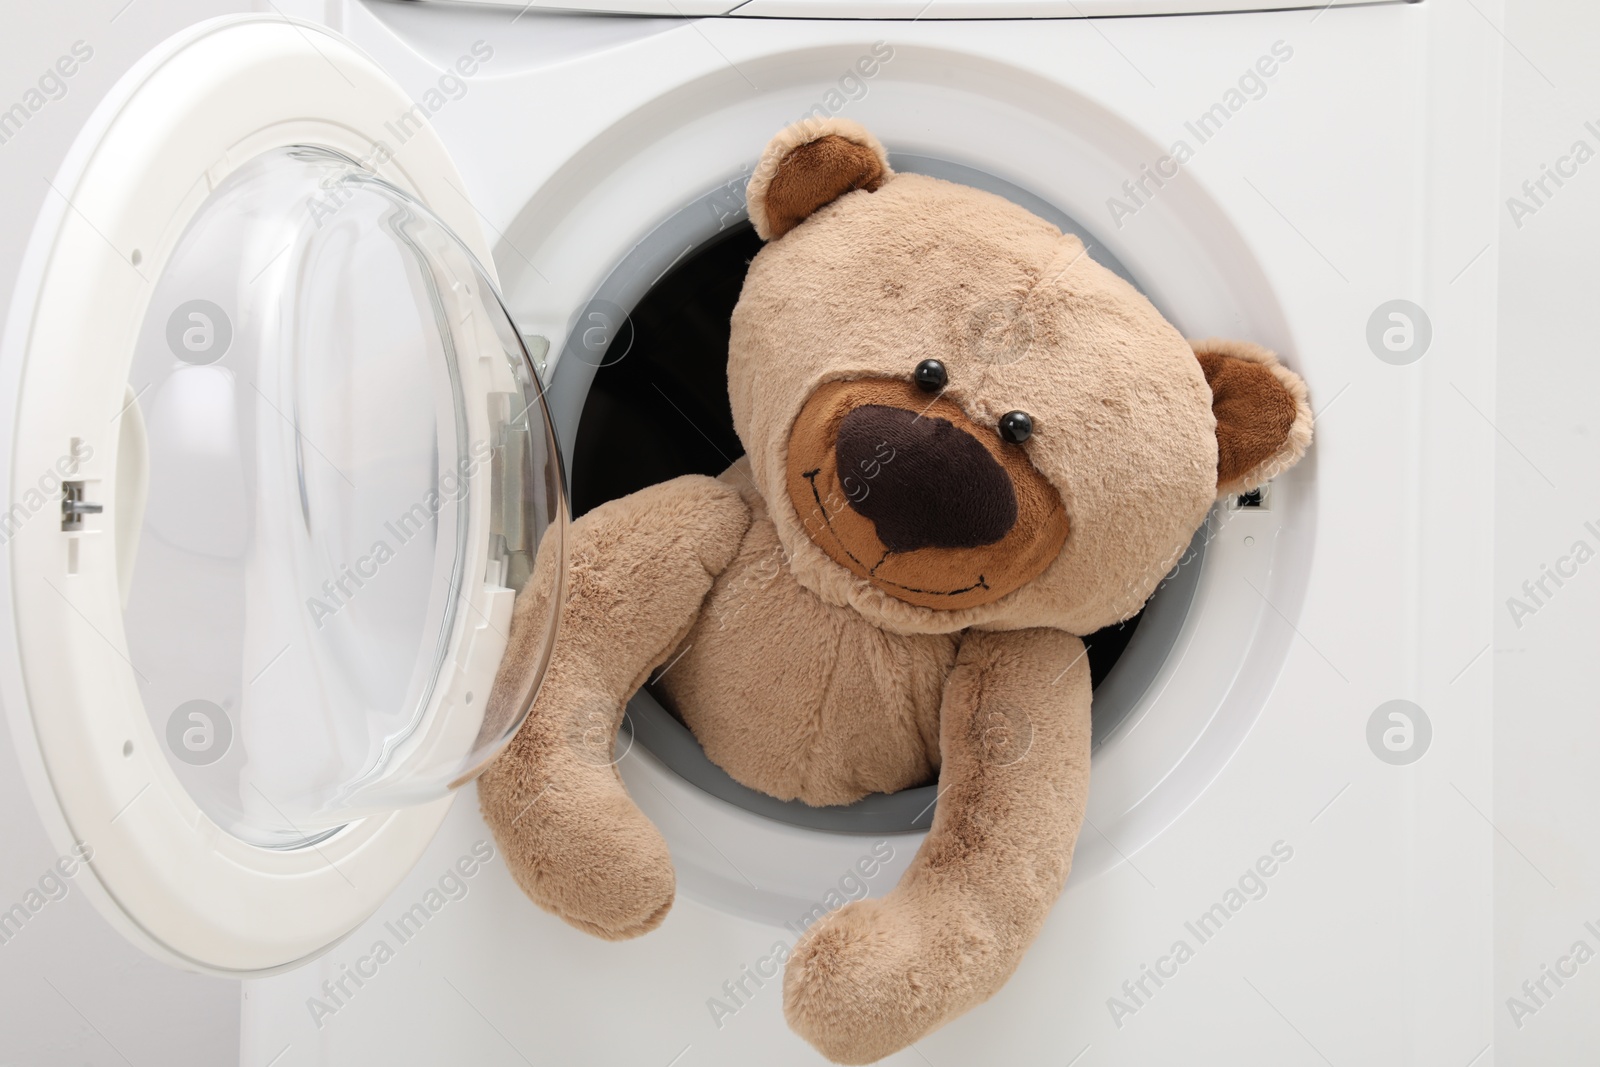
point(336, 470)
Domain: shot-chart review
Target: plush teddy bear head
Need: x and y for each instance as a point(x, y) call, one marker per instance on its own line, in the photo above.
point(958, 418)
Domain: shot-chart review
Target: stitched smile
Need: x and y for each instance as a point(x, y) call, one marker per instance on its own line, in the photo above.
point(811, 477)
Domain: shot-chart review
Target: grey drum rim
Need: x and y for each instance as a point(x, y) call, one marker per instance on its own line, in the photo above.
point(650, 724)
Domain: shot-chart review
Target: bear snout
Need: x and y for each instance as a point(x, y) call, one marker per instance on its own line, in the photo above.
point(916, 497)
point(922, 481)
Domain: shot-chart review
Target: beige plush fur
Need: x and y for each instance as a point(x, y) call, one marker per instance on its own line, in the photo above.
point(859, 711)
point(823, 503)
point(1294, 443)
point(914, 269)
point(774, 220)
point(1014, 736)
point(573, 839)
point(806, 678)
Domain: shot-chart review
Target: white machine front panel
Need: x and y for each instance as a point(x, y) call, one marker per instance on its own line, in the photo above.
point(1309, 198)
point(1005, 9)
point(910, 9)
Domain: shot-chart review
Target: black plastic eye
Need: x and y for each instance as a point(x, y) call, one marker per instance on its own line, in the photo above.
point(1016, 427)
point(930, 376)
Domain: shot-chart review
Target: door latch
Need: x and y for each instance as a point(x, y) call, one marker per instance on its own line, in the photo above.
point(74, 507)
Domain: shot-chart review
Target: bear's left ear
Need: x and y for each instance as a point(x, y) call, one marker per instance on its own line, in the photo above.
point(1263, 415)
point(809, 164)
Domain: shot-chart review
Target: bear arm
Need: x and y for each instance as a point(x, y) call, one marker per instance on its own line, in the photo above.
point(1014, 727)
point(638, 570)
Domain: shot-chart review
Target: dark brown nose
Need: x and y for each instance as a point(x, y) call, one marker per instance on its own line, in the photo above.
point(922, 481)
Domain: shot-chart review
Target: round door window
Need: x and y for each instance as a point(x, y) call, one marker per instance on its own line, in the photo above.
point(335, 473)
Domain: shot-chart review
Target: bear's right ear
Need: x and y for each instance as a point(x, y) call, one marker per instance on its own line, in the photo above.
point(1262, 411)
point(809, 164)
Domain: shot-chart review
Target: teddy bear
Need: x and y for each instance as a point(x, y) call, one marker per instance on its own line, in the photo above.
point(967, 446)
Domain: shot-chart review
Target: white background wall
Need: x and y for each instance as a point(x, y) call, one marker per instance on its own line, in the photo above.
point(1547, 484)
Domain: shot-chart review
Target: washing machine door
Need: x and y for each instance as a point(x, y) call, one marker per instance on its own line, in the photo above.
point(278, 464)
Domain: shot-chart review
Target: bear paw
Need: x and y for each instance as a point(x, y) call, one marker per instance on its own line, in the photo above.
point(601, 865)
point(876, 975)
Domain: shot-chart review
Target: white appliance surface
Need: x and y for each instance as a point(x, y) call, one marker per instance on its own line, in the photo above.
point(1422, 880)
point(1547, 490)
point(1344, 182)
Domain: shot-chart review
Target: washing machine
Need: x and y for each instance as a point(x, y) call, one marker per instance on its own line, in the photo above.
point(342, 309)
